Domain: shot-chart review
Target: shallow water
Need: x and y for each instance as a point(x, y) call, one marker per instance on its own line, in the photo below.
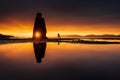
point(66, 61)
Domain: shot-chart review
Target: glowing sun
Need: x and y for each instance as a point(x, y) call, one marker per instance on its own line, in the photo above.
point(37, 35)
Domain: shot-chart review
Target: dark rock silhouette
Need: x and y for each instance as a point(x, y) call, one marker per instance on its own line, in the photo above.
point(40, 27)
point(5, 36)
point(39, 50)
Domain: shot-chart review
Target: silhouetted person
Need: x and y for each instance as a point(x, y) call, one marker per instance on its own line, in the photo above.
point(59, 38)
point(39, 30)
point(39, 50)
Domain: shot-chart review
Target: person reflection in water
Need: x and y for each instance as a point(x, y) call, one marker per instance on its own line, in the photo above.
point(39, 50)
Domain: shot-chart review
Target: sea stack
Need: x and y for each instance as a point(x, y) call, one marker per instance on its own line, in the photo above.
point(39, 30)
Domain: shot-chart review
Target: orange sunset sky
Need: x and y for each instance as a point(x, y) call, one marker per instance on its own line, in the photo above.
point(73, 17)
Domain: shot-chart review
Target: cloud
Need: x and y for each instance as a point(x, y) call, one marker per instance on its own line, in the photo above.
point(64, 11)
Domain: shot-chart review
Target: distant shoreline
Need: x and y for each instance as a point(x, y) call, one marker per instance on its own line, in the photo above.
point(66, 40)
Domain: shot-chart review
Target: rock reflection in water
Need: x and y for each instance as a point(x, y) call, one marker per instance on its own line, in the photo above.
point(39, 50)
